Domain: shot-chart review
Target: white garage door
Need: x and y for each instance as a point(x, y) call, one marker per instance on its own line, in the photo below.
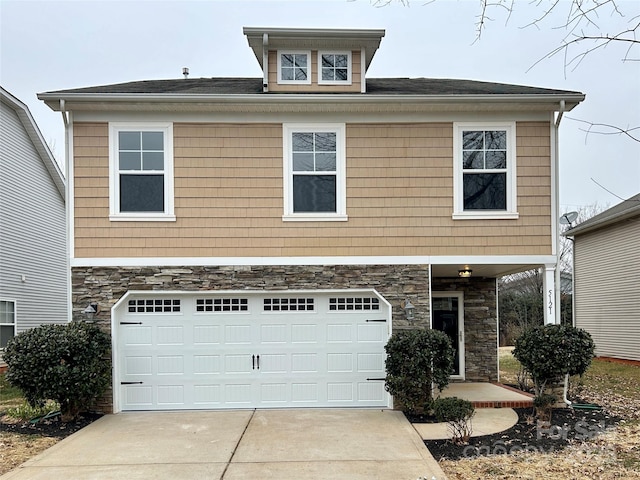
point(245, 350)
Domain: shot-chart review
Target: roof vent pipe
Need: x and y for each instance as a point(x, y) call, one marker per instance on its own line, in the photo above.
point(185, 72)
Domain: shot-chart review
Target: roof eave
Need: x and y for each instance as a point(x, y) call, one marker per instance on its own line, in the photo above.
point(587, 226)
point(53, 99)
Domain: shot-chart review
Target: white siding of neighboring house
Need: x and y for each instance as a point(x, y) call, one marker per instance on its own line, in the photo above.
point(32, 230)
point(607, 288)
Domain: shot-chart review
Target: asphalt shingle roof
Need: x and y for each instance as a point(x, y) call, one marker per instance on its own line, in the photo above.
point(624, 209)
point(375, 86)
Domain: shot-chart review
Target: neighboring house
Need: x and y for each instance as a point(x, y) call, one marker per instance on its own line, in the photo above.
point(607, 285)
point(253, 242)
point(33, 254)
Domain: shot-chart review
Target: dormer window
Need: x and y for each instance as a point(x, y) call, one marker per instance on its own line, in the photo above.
point(335, 68)
point(294, 67)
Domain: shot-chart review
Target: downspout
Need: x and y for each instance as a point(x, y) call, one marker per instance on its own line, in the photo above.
point(565, 390)
point(265, 62)
point(67, 205)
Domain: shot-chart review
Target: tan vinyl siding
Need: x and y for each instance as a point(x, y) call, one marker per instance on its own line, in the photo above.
point(356, 76)
point(229, 197)
point(607, 288)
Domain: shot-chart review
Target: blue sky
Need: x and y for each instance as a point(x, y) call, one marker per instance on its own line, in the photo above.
point(56, 45)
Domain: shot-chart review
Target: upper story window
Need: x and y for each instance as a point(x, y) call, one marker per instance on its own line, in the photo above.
point(314, 172)
point(334, 68)
point(485, 170)
point(294, 67)
point(141, 172)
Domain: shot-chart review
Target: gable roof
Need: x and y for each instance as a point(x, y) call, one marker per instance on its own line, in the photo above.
point(30, 126)
point(627, 209)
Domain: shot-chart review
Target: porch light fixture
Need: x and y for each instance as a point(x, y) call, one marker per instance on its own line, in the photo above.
point(466, 273)
point(408, 309)
point(90, 311)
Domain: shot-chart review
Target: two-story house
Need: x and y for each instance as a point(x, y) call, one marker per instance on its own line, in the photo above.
point(34, 288)
point(253, 242)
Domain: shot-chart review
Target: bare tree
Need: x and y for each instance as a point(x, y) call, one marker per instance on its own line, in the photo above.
point(581, 20)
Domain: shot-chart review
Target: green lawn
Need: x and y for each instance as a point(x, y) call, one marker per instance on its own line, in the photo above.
point(9, 396)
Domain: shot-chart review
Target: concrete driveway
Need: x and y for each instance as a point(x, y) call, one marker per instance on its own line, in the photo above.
point(339, 444)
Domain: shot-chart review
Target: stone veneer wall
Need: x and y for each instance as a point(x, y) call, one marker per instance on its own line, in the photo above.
point(106, 285)
point(480, 325)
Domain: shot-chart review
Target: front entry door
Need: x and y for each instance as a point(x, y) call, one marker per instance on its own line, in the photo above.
point(448, 316)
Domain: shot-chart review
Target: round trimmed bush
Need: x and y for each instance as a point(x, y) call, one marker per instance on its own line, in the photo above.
point(66, 363)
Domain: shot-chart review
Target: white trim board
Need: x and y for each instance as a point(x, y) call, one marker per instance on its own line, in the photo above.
point(355, 260)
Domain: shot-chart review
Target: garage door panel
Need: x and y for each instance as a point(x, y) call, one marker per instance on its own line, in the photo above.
point(206, 335)
point(206, 365)
point(304, 363)
point(370, 362)
point(170, 365)
point(171, 395)
point(138, 365)
point(304, 333)
point(208, 395)
point(309, 355)
point(235, 364)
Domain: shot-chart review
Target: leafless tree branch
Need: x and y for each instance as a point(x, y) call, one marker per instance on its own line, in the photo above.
point(606, 129)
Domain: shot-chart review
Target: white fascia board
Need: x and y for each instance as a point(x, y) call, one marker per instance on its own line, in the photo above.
point(355, 260)
point(306, 98)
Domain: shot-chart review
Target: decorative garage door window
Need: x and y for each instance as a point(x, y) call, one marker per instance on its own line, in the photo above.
point(288, 304)
point(222, 305)
point(354, 304)
point(154, 306)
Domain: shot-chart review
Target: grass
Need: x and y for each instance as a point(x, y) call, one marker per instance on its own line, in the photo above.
point(10, 396)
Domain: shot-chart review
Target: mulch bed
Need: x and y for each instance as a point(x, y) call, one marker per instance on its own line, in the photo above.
point(567, 426)
point(53, 427)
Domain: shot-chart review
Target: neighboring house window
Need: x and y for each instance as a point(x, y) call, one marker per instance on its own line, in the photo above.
point(485, 170)
point(334, 68)
point(294, 67)
point(314, 172)
point(141, 167)
point(7, 322)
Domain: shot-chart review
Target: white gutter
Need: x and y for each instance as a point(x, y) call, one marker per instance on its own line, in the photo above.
point(302, 98)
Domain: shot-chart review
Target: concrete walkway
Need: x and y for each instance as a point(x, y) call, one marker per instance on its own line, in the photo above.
point(485, 421)
point(287, 444)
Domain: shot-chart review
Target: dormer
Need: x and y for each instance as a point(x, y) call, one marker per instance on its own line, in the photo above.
point(301, 60)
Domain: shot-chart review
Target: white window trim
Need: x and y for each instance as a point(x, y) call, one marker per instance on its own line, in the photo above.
point(15, 316)
point(340, 214)
point(295, 82)
point(512, 195)
point(334, 82)
point(114, 185)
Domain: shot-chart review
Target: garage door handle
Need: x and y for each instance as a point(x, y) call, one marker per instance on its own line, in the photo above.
point(383, 320)
point(376, 379)
point(258, 358)
point(130, 383)
point(253, 362)
point(130, 323)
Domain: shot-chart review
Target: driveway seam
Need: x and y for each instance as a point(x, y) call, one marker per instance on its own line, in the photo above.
point(224, 472)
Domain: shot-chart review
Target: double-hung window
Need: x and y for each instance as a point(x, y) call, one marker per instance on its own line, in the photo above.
point(7, 322)
point(334, 68)
point(485, 170)
point(141, 172)
point(314, 172)
point(294, 67)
